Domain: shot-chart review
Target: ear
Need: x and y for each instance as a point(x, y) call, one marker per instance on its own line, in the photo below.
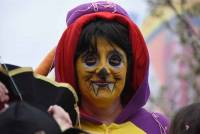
point(47, 63)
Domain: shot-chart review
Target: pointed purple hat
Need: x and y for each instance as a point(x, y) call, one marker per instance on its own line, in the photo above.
point(100, 6)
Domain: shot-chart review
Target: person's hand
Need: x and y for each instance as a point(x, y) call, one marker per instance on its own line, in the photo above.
point(61, 117)
point(3, 93)
point(3, 97)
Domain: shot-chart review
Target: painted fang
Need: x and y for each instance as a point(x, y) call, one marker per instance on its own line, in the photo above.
point(105, 86)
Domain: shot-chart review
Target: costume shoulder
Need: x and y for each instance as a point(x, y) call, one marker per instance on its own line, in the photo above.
point(151, 122)
point(162, 121)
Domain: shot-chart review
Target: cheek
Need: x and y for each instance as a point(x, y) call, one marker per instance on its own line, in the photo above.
point(83, 76)
point(120, 76)
point(120, 71)
point(83, 83)
point(123, 72)
point(80, 69)
point(121, 80)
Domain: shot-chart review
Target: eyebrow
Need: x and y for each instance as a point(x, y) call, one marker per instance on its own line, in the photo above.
point(88, 52)
point(115, 51)
point(93, 52)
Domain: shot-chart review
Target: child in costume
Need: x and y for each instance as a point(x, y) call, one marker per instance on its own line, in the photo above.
point(103, 55)
point(186, 120)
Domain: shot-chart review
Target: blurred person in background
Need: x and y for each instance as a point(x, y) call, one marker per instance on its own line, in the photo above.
point(19, 117)
point(186, 120)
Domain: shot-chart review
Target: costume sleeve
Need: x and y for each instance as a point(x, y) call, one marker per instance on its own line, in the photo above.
point(162, 121)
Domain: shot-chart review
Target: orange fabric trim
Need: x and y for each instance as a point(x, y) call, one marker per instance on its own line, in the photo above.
point(46, 64)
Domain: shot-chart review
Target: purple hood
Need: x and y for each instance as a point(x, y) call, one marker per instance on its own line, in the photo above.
point(133, 111)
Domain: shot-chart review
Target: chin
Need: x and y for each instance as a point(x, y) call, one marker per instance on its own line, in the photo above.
point(103, 101)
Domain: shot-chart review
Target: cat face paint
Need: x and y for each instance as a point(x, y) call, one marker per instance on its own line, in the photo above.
point(102, 74)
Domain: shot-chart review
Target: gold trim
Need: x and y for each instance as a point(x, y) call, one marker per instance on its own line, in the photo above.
point(3, 70)
point(20, 70)
point(78, 123)
point(57, 84)
point(41, 77)
point(16, 71)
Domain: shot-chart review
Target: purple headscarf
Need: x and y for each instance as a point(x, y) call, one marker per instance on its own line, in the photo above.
point(99, 6)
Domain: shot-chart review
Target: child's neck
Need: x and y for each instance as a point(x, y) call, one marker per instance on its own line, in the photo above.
point(106, 114)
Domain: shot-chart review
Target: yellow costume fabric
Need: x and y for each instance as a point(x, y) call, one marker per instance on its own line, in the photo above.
point(113, 128)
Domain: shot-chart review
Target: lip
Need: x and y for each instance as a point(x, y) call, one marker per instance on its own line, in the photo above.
point(101, 81)
point(96, 85)
point(101, 84)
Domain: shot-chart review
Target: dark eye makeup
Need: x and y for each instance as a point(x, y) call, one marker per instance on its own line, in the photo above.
point(114, 59)
point(90, 59)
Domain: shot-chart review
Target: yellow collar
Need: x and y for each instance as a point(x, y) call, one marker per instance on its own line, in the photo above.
point(124, 128)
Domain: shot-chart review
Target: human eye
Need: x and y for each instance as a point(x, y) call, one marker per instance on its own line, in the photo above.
point(90, 59)
point(115, 59)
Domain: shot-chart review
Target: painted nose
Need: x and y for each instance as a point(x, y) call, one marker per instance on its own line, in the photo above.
point(103, 73)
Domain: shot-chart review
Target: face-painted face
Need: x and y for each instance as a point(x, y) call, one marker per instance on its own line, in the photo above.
point(102, 74)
